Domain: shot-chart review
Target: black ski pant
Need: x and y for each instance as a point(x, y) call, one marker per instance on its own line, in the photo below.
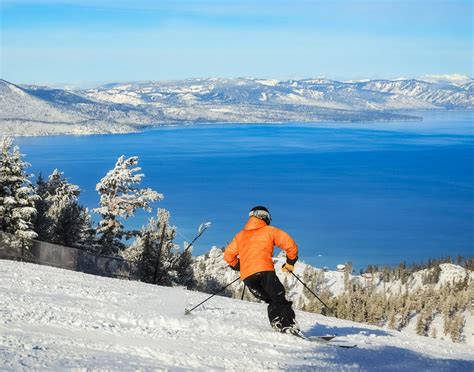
point(267, 287)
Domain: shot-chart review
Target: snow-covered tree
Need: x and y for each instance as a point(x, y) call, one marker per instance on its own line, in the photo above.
point(61, 220)
point(211, 273)
point(457, 324)
point(182, 266)
point(75, 228)
point(421, 324)
point(347, 276)
point(154, 249)
point(60, 192)
point(392, 319)
point(41, 225)
point(17, 195)
point(119, 199)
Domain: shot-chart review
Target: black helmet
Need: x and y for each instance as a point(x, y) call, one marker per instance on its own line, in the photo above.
point(261, 213)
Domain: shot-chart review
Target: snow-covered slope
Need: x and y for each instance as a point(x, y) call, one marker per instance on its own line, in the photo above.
point(20, 112)
point(32, 110)
point(53, 319)
point(444, 94)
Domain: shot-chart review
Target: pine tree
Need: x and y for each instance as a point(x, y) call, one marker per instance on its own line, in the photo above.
point(74, 228)
point(405, 316)
point(184, 271)
point(347, 276)
point(432, 276)
point(154, 249)
point(420, 325)
point(423, 321)
point(376, 308)
point(61, 220)
point(17, 195)
point(392, 319)
point(457, 325)
point(447, 312)
point(309, 279)
point(119, 199)
point(41, 225)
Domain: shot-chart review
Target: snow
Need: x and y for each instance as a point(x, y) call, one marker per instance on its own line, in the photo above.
point(56, 319)
point(268, 82)
point(224, 109)
point(116, 96)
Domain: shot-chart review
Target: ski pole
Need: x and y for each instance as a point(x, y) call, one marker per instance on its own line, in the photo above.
point(243, 292)
point(203, 227)
point(186, 311)
point(314, 294)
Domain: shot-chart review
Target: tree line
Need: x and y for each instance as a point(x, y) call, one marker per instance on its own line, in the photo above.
point(403, 270)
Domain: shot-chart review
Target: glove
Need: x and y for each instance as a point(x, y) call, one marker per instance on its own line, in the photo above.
point(289, 265)
point(287, 268)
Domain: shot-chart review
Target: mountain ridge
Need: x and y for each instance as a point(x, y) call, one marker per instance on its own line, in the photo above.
point(128, 107)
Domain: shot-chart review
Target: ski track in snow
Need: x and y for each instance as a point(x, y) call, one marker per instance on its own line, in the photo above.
point(57, 319)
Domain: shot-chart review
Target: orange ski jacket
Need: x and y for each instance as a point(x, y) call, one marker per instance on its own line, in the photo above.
point(253, 246)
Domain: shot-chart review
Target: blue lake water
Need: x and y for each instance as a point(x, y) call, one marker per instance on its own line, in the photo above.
point(367, 192)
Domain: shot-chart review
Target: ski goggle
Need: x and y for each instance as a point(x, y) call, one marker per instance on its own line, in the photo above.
point(261, 214)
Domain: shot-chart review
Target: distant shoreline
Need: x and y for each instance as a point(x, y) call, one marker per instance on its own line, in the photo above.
point(144, 127)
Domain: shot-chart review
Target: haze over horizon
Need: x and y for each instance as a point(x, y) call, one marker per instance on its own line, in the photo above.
point(82, 43)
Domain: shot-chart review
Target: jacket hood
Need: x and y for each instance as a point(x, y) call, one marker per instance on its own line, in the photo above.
point(254, 223)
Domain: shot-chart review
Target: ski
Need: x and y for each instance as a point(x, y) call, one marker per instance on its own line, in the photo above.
point(324, 340)
point(332, 342)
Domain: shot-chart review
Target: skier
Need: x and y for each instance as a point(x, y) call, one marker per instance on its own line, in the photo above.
point(250, 252)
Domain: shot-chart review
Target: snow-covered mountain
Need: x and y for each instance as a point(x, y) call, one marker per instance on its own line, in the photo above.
point(33, 110)
point(122, 107)
point(438, 94)
point(321, 93)
point(54, 319)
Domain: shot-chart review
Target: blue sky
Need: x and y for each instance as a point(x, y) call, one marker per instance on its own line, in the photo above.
point(80, 42)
